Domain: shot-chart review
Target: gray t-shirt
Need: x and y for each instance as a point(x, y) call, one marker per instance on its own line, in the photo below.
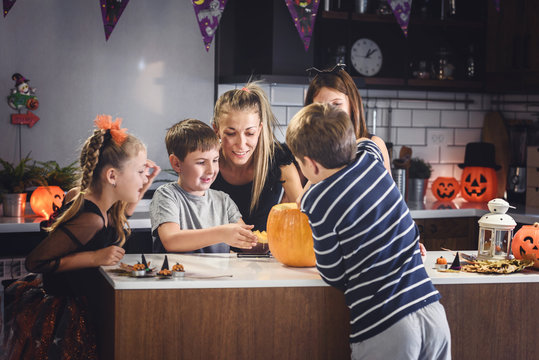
point(171, 203)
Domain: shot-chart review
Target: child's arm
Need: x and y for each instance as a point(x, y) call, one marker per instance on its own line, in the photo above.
point(175, 239)
point(291, 183)
point(57, 252)
point(330, 264)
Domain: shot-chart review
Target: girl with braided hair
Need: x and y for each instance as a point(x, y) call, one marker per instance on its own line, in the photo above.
point(54, 320)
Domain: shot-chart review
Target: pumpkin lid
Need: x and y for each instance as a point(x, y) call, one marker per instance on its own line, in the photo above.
point(499, 206)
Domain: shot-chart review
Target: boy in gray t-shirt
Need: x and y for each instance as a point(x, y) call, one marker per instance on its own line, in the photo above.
point(188, 216)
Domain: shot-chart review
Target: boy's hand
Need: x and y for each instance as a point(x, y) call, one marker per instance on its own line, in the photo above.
point(239, 235)
point(110, 255)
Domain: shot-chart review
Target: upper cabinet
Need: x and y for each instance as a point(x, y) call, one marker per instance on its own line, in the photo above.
point(451, 44)
point(513, 47)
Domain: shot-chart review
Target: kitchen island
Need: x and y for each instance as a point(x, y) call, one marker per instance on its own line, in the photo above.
point(255, 308)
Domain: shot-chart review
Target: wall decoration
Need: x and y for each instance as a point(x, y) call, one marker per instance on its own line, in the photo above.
point(304, 15)
point(208, 14)
point(401, 10)
point(8, 4)
point(111, 10)
point(23, 96)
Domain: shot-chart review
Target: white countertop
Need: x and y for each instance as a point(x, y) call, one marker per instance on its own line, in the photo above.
point(268, 272)
point(428, 210)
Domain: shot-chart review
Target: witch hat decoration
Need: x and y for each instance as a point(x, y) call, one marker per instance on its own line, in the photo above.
point(456, 263)
point(144, 261)
point(165, 264)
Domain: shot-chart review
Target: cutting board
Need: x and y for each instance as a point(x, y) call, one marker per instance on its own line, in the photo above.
point(495, 132)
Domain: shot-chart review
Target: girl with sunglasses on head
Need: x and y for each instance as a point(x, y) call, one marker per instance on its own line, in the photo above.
point(54, 320)
point(336, 87)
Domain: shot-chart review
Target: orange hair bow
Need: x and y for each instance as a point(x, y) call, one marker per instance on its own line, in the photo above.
point(104, 122)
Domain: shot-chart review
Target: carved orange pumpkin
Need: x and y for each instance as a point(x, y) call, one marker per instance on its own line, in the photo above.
point(525, 244)
point(445, 188)
point(45, 200)
point(478, 184)
point(289, 236)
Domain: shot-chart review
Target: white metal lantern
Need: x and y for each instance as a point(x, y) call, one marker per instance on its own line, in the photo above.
point(495, 231)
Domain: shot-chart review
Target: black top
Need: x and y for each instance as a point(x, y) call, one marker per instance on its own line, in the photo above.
point(84, 232)
point(271, 194)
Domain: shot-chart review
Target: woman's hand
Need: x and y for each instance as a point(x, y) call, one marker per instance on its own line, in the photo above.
point(108, 256)
point(239, 235)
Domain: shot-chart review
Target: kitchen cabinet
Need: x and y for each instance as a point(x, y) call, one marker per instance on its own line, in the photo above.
point(512, 47)
point(260, 41)
point(449, 233)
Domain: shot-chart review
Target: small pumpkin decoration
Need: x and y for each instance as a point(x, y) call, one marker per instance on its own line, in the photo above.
point(445, 188)
point(525, 244)
point(289, 236)
point(45, 200)
point(478, 184)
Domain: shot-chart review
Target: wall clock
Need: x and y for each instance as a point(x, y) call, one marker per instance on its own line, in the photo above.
point(366, 57)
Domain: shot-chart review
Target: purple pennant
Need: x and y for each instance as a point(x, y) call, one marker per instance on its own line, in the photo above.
point(208, 14)
point(304, 15)
point(111, 10)
point(8, 4)
point(496, 3)
point(401, 10)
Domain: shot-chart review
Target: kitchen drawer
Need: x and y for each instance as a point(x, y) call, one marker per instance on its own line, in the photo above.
point(533, 156)
point(532, 176)
point(532, 196)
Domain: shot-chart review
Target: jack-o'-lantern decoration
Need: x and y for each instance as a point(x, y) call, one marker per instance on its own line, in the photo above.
point(45, 200)
point(289, 236)
point(479, 182)
point(525, 244)
point(445, 188)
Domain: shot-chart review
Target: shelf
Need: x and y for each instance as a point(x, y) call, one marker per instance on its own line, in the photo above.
point(446, 84)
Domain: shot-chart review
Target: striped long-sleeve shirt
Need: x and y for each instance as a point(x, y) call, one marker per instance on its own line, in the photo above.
point(367, 244)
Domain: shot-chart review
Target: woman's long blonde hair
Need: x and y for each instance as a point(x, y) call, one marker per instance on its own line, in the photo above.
point(252, 97)
point(99, 151)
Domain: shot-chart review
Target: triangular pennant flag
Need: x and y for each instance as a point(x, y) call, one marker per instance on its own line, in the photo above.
point(111, 10)
point(496, 3)
point(208, 14)
point(401, 10)
point(304, 15)
point(8, 4)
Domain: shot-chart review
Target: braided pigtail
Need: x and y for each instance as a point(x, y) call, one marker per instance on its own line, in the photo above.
point(89, 159)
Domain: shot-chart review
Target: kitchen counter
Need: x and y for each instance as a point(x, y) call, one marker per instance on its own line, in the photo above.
point(204, 271)
point(429, 210)
point(269, 311)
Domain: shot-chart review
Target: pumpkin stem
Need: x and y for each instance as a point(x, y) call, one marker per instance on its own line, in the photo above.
point(536, 224)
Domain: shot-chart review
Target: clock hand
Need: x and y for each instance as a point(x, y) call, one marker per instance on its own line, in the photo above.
point(370, 52)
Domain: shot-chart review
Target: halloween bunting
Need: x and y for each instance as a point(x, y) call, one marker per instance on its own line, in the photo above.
point(208, 14)
point(111, 10)
point(303, 13)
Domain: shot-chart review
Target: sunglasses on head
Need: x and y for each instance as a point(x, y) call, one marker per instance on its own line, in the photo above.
point(313, 72)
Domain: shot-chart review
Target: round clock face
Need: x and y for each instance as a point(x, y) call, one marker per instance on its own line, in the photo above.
point(366, 57)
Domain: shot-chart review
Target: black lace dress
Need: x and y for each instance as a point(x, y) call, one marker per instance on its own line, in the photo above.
point(51, 319)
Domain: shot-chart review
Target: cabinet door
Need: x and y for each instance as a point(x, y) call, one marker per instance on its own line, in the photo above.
point(451, 233)
point(512, 51)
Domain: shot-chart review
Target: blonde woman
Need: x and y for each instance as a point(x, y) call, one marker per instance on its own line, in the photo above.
point(254, 169)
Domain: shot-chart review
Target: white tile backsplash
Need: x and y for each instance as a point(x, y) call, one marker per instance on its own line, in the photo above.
point(287, 95)
point(425, 118)
point(464, 136)
point(454, 119)
point(435, 130)
point(411, 136)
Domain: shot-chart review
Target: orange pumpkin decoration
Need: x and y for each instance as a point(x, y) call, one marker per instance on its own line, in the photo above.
point(445, 188)
point(525, 244)
point(45, 200)
point(478, 184)
point(289, 236)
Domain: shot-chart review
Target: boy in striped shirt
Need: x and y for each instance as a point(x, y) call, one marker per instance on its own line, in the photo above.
point(365, 240)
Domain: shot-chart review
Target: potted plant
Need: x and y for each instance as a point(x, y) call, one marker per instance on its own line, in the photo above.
point(14, 180)
point(55, 175)
point(419, 174)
